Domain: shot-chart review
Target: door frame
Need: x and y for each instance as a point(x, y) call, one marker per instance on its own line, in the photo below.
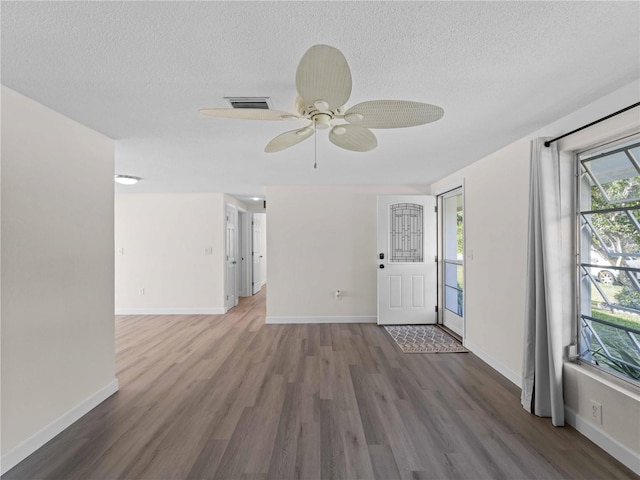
point(441, 194)
point(257, 283)
point(244, 240)
point(232, 209)
point(429, 266)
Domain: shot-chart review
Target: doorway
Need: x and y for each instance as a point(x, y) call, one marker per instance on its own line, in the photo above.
point(244, 241)
point(407, 268)
point(259, 251)
point(231, 298)
point(251, 258)
point(451, 251)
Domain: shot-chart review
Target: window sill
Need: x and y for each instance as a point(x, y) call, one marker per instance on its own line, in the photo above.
point(619, 385)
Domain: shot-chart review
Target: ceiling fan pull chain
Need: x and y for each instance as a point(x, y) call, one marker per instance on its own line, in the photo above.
point(315, 146)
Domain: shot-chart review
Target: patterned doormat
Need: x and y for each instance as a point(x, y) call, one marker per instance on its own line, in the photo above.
point(424, 339)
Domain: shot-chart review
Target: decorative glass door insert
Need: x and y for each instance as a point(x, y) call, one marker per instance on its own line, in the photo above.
point(406, 233)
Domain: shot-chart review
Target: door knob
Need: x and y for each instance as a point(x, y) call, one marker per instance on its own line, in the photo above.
point(381, 266)
point(234, 262)
point(381, 256)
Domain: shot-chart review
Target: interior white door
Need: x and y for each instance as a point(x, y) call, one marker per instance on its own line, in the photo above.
point(407, 267)
point(244, 233)
point(232, 247)
point(256, 255)
point(452, 282)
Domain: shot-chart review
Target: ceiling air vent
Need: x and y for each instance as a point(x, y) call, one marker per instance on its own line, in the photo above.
point(249, 102)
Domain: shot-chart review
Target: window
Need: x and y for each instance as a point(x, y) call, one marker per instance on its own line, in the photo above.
point(453, 253)
point(609, 261)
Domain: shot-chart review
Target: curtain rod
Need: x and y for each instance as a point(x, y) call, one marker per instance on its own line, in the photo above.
point(546, 144)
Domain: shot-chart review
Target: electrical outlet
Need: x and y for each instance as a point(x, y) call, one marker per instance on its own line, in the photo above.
point(596, 412)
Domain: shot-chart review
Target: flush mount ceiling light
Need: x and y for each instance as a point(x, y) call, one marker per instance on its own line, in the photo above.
point(323, 82)
point(126, 179)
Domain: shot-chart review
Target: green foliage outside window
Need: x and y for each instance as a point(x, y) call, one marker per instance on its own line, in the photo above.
point(618, 241)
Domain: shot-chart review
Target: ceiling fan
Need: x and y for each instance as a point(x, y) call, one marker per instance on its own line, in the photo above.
point(323, 81)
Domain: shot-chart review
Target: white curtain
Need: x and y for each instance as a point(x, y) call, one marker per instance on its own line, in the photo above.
point(549, 281)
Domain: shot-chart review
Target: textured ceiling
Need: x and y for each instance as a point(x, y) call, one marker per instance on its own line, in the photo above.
point(139, 71)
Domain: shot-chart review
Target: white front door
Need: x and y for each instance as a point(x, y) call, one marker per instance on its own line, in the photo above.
point(407, 267)
point(255, 254)
point(232, 215)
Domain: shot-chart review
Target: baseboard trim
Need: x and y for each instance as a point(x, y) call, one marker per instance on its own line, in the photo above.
point(172, 311)
point(351, 319)
point(37, 440)
point(610, 445)
point(493, 363)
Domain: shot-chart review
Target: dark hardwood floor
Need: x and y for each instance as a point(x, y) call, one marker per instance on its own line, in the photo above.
point(228, 397)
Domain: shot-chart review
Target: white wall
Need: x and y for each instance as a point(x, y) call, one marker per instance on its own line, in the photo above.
point(322, 239)
point(57, 274)
point(496, 197)
point(496, 201)
point(619, 433)
point(173, 247)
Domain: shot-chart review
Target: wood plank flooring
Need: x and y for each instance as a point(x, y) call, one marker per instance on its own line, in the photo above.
point(228, 397)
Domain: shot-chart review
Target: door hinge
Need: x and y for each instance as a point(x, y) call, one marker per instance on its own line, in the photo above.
point(435, 209)
point(436, 308)
point(436, 259)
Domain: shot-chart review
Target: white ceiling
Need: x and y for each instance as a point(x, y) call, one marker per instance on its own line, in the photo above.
point(139, 71)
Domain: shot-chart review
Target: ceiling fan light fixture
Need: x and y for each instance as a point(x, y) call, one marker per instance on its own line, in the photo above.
point(354, 117)
point(126, 179)
point(322, 121)
point(339, 130)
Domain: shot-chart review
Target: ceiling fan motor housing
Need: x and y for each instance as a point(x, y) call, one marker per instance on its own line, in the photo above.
point(322, 120)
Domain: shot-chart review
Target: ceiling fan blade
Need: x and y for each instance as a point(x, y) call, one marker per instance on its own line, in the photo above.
point(353, 137)
point(323, 74)
point(392, 114)
point(288, 139)
point(248, 114)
